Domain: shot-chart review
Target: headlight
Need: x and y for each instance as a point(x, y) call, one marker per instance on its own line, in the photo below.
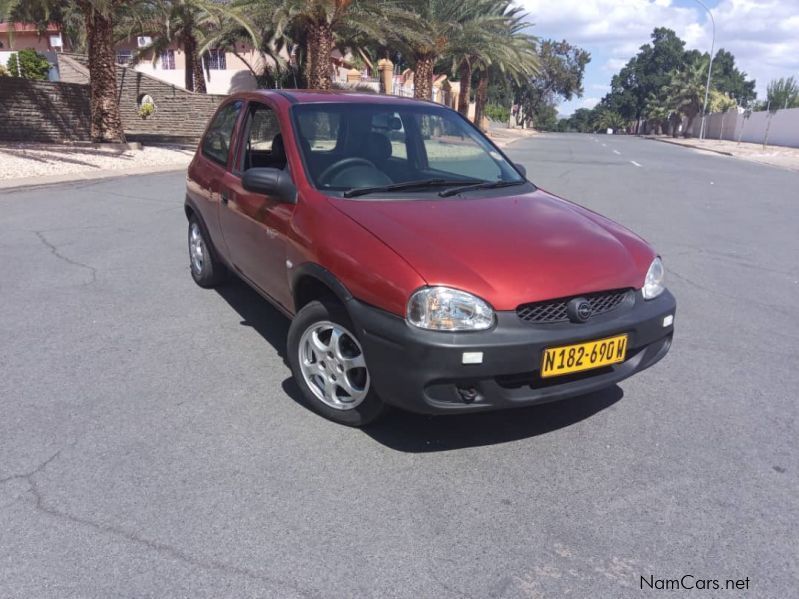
point(445, 309)
point(653, 284)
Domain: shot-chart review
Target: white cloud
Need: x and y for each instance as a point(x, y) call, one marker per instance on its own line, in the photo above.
point(762, 34)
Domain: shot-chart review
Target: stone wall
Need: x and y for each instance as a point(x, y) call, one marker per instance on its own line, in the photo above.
point(179, 115)
point(43, 111)
point(59, 112)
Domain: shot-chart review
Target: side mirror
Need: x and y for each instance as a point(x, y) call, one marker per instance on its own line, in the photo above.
point(272, 182)
point(521, 169)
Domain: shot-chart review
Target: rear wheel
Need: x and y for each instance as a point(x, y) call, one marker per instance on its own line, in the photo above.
point(206, 270)
point(329, 365)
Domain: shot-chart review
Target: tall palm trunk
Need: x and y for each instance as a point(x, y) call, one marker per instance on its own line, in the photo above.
point(190, 55)
point(199, 74)
point(465, 74)
point(481, 98)
point(106, 124)
point(321, 42)
point(423, 76)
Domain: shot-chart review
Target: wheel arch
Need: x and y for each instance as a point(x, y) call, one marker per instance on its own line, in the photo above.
point(311, 281)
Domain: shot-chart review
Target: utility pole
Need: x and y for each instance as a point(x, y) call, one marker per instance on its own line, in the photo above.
point(709, 68)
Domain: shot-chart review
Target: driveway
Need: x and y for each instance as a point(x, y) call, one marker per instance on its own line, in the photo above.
point(152, 444)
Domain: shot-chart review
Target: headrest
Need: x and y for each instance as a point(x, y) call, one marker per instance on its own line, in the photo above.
point(278, 149)
point(377, 147)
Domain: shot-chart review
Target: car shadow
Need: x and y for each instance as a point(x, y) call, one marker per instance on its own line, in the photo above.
point(418, 433)
point(257, 313)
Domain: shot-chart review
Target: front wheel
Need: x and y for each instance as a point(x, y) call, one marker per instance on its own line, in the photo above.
point(329, 365)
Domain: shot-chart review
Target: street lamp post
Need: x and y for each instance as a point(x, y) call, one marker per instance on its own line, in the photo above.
point(709, 69)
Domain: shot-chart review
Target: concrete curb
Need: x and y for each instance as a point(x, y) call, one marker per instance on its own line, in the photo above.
point(33, 182)
point(693, 146)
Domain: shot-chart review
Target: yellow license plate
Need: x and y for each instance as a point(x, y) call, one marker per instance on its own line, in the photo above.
point(583, 356)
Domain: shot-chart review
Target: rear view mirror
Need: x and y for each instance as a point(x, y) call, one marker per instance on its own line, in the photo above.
point(272, 182)
point(521, 169)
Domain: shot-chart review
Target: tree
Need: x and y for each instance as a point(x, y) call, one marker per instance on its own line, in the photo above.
point(686, 91)
point(494, 45)
point(560, 76)
point(29, 64)
point(98, 18)
point(430, 36)
point(317, 26)
point(783, 93)
point(730, 81)
point(180, 22)
point(646, 74)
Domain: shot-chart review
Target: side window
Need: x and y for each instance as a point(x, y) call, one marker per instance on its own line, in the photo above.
point(216, 143)
point(320, 129)
point(450, 149)
point(264, 144)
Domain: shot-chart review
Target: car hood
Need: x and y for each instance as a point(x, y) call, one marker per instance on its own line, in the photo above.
point(508, 250)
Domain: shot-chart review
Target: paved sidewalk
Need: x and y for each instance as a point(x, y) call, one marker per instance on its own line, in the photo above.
point(504, 136)
point(774, 155)
point(25, 164)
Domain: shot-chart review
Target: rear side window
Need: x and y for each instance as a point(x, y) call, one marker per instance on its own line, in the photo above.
point(216, 143)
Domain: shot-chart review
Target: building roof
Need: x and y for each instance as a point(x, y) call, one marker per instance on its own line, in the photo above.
point(28, 28)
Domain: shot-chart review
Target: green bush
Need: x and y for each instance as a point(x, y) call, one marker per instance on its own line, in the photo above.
point(29, 64)
point(497, 113)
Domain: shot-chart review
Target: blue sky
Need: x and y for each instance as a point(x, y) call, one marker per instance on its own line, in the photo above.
point(762, 34)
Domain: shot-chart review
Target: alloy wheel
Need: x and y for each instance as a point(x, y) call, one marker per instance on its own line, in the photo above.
point(333, 366)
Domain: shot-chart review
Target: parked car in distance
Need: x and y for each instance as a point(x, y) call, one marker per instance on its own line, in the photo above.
point(418, 265)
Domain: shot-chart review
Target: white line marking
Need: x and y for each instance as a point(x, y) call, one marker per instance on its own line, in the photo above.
point(617, 152)
point(635, 163)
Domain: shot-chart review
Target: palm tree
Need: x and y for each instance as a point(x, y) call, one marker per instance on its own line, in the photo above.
point(472, 43)
point(686, 91)
point(169, 22)
point(313, 28)
point(657, 112)
point(98, 18)
point(608, 119)
point(434, 35)
point(507, 54)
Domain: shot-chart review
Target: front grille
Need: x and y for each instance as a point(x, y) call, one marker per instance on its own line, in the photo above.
point(555, 310)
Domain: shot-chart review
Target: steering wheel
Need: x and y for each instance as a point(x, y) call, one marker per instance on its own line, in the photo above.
point(341, 165)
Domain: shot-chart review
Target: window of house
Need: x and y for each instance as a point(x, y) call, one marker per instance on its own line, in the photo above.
point(123, 57)
point(167, 60)
point(215, 59)
point(216, 143)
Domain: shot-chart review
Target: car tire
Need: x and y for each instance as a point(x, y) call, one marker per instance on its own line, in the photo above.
point(206, 269)
point(329, 365)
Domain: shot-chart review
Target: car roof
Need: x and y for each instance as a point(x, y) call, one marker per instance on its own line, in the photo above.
point(316, 96)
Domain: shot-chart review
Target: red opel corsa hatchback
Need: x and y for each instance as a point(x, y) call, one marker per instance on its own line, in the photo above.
point(418, 265)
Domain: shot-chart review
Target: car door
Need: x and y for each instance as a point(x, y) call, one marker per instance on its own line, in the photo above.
point(255, 226)
point(209, 171)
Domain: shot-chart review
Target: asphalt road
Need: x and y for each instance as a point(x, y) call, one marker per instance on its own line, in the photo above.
point(151, 444)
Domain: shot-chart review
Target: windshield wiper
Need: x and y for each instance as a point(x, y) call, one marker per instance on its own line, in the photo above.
point(359, 191)
point(483, 185)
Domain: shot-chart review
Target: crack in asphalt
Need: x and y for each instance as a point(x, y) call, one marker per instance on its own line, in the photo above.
point(54, 250)
point(41, 506)
point(27, 475)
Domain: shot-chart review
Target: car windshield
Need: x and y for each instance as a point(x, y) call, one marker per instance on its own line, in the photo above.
point(358, 148)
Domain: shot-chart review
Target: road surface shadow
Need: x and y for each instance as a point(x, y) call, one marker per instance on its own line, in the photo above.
point(417, 433)
point(257, 313)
